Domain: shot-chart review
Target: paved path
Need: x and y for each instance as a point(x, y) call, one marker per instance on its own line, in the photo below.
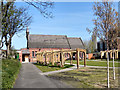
point(30, 77)
point(58, 71)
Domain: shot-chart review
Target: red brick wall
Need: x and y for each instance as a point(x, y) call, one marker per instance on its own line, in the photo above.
point(35, 49)
point(20, 54)
point(90, 55)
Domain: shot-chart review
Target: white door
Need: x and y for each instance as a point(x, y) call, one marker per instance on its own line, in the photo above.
point(26, 58)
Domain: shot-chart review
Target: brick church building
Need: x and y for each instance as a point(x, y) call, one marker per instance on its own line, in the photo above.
point(41, 43)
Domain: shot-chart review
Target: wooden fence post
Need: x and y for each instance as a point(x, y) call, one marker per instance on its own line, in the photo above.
point(52, 58)
point(117, 54)
point(111, 56)
point(49, 58)
point(58, 57)
point(101, 54)
point(84, 58)
point(77, 58)
point(55, 57)
point(71, 58)
point(40, 57)
point(61, 58)
point(45, 58)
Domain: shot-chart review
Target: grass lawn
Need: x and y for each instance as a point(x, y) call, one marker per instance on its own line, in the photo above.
point(95, 63)
point(0, 73)
point(87, 78)
point(104, 59)
point(10, 70)
point(48, 68)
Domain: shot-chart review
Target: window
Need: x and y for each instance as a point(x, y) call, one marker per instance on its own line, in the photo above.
point(33, 54)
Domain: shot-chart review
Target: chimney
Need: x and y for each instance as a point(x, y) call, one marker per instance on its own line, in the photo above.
point(27, 36)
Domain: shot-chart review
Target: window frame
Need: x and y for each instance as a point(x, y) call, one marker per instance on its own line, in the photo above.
point(33, 54)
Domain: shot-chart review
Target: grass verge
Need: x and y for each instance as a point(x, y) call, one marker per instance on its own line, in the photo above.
point(87, 78)
point(10, 70)
point(95, 63)
point(47, 68)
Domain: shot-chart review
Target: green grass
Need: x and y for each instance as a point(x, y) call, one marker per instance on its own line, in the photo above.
point(87, 78)
point(10, 70)
point(105, 59)
point(47, 68)
point(95, 63)
point(0, 73)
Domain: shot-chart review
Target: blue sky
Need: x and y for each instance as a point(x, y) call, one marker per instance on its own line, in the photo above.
point(70, 18)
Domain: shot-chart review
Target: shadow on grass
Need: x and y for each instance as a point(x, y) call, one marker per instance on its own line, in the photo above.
point(54, 66)
point(91, 71)
point(39, 64)
point(68, 78)
point(75, 74)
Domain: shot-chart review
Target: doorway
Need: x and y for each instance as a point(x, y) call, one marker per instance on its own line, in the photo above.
point(25, 58)
point(118, 55)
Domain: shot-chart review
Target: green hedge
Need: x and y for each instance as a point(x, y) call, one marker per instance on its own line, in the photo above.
point(10, 70)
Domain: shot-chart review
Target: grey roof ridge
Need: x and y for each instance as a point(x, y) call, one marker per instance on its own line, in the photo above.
point(73, 37)
point(44, 35)
point(81, 41)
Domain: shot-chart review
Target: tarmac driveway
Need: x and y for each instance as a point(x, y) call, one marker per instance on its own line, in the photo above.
point(30, 77)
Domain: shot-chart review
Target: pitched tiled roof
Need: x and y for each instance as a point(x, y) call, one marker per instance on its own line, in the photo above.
point(48, 41)
point(76, 43)
point(53, 41)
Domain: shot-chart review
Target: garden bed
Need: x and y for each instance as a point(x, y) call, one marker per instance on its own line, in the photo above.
point(47, 68)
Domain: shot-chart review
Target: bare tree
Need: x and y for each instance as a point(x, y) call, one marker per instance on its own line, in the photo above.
point(42, 7)
point(18, 19)
point(14, 20)
point(106, 22)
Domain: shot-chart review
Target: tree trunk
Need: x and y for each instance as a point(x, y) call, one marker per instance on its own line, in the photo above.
point(10, 42)
point(8, 49)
